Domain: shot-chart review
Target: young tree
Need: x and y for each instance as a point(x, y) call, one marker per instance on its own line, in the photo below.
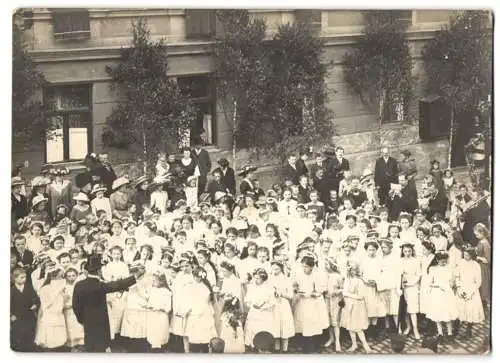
point(28, 124)
point(241, 74)
point(378, 69)
point(298, 93)
point(458, 64)
point(152, 109)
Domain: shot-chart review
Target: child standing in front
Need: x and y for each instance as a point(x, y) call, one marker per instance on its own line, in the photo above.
point(335, 284)
point(157, 318)
point(231, 326)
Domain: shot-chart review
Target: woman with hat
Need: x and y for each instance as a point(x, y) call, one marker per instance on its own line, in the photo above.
point(81, 210)
point(119, 199)
point(100, 202)
point(39, 210)
point(159, 197)
point(19, 207)
point(141, 196)
point(39, 186)
point(227, 175)
point(246, 185)
point(60, 190)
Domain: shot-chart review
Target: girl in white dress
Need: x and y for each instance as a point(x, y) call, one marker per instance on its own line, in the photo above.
point(203, 258)
point(200, 322)
point(73, 328)
point(371, 268)
point(283, 292)
point(159, 306)
point(114, 270)
point(310, 287)
point(411, 274)
point(468, 280)
point(389, 282)
point(428, 251)
point(443, 309)
point(51, 326)
point(354, 316)
point(334, 286)
point(180, 295)
point(394, 229)
point(130, 253)
point(260, 300)
point(232, 326)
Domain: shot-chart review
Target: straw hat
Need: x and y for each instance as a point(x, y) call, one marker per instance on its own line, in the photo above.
point(16, 181)
point(81, 197)
point(38, 199)
point(245, 170)
point(120, 182)
point(39, 181)
point(140, 180)
point(99, 188)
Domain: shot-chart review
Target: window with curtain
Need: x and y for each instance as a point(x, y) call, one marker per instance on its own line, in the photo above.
point(68, 109)
point(71, 23)
point(200, 24)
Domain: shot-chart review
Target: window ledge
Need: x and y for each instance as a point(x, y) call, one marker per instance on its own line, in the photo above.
point(394, 124)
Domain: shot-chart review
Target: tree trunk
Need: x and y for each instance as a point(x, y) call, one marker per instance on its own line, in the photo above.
point(234, 133)
point(144, 152)
point(452, 127)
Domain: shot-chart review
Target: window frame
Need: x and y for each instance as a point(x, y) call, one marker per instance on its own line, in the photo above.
point(61, 16)
point(66, 114)
point(198, 13)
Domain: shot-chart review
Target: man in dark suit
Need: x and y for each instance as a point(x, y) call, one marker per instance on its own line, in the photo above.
point(19, 208)
point(202, 159)
point(106, 173)
point(24, 257)
point(300, 165)
point(386, 172)
point(90, 306)
point(215, 185)
point(227, 175)
point(290, 170)
point(404, 200)
point(339, 165)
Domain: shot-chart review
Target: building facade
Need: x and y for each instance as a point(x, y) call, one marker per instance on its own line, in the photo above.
point(73, 46)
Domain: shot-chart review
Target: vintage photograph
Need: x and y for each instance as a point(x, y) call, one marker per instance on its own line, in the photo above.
point(274, 181)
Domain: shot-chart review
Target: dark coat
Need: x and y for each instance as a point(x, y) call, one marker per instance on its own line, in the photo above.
point(228, 179)
point(214, 187)
point(386, 173)
point(303, 197)
point(339, 167)
point(246, 187)
point(26, 261)
point(289, 172)
point(408, 202)
point(141, 198)
point(107, 176)
point(438, 204)
point(91, 309)
point(22, 330)
point(321, 186)
point(19, 207)
point(203, 161)
point(301, 167)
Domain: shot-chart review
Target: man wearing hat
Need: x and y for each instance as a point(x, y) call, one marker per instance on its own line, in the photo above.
point(90, 306)
point(19, 208)
point(227, 175)
point(202, 159)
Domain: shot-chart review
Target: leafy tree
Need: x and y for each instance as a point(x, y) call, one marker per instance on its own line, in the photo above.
point(241, 74)
point(28, 124)
point(152, 109)
point(298, 93)
point(458, 64)
point(378, 68)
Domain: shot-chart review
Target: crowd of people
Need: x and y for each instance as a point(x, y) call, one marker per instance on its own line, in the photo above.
point(323, 258)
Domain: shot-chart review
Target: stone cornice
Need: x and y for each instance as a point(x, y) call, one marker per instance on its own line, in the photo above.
point(107, 13)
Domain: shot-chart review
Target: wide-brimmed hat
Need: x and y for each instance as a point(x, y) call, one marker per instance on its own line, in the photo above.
point(246, 170)
point(60, 171)
point(140, 180)
point(120, 182)
point(93, 263)
point(16, 181)
point(99, 188)
point(81, 197)
point(220, 196)
point(365, 177)
point(223, 162)
point(158, 181)
point(39, 181)
point(38, 199)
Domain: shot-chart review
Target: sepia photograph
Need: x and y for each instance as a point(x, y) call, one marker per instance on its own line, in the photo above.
point(251, 181)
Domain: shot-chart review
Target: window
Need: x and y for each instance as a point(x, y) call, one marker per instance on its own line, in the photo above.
point(200, 90)
point(393, 111)
point(71, 23)
point(69, 116)
point(200, 24)
point(404, 16)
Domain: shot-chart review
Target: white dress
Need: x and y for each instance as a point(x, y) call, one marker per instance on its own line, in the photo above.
point(283, 313)
point(469, 304)
point(354, 315)
point(157, 322)
point(371, 268)
point(234, 339)
point(411, 271)
point(306, 323)
point(200, 322)
point(73, 328)
point(335, 282)
point(134, 321)
point(425, 288)
point(115, 270)
point(389, 283)
point(51, 326)
point(262, 318)
point(180, 297)
point(443, 306)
